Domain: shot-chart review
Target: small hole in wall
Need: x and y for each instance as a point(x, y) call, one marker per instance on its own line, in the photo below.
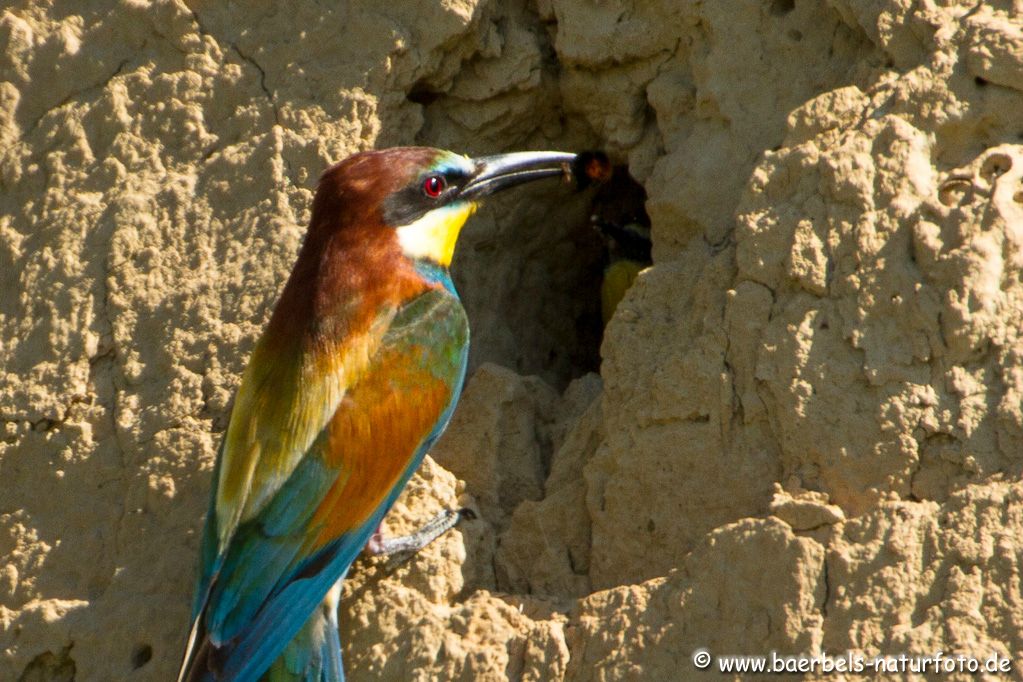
point(421, 93)
point(140, 655)
point(994, 166)
point(981, 82)
point(795, 36)
point(780, 8)
point(955, 192)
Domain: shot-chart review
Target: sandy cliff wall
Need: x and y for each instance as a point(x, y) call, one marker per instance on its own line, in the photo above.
point(807, 430)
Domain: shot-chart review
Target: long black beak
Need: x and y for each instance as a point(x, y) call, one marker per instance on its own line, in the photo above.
point(495, 173)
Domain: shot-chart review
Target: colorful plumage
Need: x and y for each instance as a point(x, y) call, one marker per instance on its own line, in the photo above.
point(354, 378)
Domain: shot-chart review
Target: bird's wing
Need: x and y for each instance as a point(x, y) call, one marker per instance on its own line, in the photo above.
point(289, 392)
point(283, 558)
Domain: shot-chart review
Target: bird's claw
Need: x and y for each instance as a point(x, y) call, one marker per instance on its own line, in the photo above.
point(378, 545)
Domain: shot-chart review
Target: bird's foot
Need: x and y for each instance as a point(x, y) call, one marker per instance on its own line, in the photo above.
point(378, 545)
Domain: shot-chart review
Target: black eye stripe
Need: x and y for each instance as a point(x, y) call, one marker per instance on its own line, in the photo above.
point(410, 203)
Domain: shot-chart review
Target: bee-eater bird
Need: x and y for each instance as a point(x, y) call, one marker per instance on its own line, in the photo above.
point(619, 215)
point(354, 378)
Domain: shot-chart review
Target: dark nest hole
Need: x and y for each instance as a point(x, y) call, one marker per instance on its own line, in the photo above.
point(530, 270)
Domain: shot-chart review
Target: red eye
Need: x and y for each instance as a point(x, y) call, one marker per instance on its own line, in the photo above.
point(434, 186)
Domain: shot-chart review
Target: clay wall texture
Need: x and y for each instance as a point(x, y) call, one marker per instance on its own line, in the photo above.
point(806, 432)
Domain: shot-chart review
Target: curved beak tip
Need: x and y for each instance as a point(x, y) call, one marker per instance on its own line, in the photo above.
point(495, 173)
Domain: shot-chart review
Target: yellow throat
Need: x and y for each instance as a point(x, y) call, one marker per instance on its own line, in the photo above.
point(434, 235)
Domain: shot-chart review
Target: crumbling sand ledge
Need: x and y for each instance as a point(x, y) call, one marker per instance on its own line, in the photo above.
point(808, 429)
